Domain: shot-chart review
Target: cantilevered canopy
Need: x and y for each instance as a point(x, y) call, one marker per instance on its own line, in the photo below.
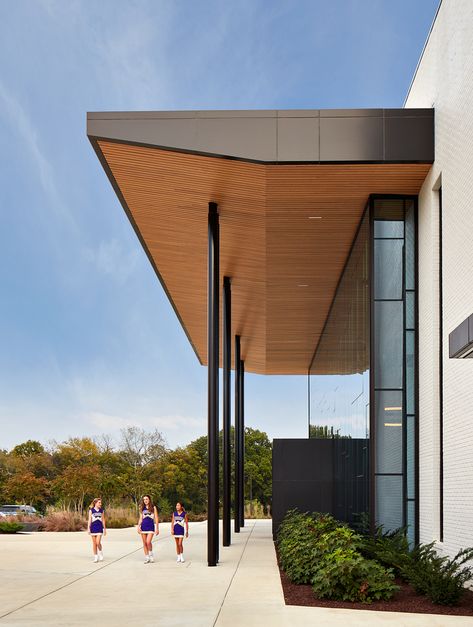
point(291, 187)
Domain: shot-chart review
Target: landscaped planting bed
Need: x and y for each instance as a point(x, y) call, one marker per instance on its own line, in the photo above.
point(324, 563)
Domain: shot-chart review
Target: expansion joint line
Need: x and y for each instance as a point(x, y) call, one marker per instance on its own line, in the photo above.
point(233, 576)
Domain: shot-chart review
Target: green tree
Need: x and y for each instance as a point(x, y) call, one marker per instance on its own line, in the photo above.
point(28, 449)
point(183, 477)
point(325, 432)
point(258, 466)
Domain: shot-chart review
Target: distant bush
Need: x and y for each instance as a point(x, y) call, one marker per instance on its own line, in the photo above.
point(255, 509)
point(198, 517)
point(165, 510)
point(441, 579)
point(63, 521)
point(10, 527)
point(120, 517)
point(27, 518)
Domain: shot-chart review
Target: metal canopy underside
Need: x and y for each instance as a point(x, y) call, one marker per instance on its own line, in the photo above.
point(291, 187)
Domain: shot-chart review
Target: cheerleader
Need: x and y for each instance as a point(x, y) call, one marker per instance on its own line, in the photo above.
point(178, 523)
point(96, 528)
point(148, 526)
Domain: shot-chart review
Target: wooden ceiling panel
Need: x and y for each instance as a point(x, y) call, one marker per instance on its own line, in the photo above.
point(284, 265)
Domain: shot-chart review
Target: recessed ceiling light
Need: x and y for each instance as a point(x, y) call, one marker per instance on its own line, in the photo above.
point(302, 285)
point(393, 424)
point(392, 408)
point(315, 217)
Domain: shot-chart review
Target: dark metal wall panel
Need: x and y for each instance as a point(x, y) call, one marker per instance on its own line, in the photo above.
point(408, 138)
point(307, 136)
point(460, 340)
point(321, 476)
point(351, 139)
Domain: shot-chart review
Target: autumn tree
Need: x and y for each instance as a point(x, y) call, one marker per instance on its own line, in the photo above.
point(77, 485)
point(26, 489)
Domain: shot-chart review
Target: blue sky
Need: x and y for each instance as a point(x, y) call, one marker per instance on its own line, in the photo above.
point(88, 341)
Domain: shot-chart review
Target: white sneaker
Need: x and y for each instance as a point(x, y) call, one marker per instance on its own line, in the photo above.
point(182, 558)
point(147, 559)
point(96, 559)
point(100, 556)
point(178, 558)
point(151, 559)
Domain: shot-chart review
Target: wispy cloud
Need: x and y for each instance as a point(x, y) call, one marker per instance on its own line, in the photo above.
point(13, 111)
point(113, 423)
point(111, 259)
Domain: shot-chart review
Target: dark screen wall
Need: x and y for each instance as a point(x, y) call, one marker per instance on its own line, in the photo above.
point(320, 475)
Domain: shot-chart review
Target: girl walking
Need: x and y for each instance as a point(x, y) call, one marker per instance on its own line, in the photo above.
point(148, 526)
point(96, 528)
point(178, 523)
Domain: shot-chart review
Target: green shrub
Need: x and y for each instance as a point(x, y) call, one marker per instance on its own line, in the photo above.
point(391, 548)
point(304, 539)
point(10, 527)
point(441, 579)
point(298, 536)
point(346, 575)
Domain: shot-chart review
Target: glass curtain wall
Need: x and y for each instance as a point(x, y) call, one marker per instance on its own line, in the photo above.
point(362, 380)
point(339, 378)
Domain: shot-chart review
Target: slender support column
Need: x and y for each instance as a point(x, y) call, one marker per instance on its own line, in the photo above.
point(242, 443)
point(212, 357)
point(227, 364)
point(237, 440)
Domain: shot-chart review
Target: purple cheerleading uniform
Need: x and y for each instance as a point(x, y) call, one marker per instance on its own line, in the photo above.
point(179, 523)
point(96, 524)
point(147, 521)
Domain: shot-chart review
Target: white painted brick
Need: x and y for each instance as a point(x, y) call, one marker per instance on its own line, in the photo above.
point(444, 80)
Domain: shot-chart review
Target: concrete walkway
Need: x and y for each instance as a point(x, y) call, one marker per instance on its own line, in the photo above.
point(49, 579)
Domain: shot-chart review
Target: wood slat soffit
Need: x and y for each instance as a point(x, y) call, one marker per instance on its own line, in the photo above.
point(286, 230)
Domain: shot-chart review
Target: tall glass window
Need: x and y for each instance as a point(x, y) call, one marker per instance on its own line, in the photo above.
point(393, 364)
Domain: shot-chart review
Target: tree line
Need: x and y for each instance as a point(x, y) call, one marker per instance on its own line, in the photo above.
point(69, 474)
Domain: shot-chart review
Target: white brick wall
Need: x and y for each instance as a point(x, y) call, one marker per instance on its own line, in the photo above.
point(444, 80)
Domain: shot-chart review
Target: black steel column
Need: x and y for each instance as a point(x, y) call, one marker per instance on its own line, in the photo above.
point(212, 358)
point(237, 442)
point(227, 365)
point(242, 443)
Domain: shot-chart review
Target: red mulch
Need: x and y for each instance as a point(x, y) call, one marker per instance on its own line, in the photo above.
point(405, 600)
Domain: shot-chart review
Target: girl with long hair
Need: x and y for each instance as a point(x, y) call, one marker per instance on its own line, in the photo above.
point(148, 526)
point(180, 521)
point(96, 528)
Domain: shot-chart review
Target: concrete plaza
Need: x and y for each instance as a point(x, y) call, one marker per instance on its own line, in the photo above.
point(49, 579)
